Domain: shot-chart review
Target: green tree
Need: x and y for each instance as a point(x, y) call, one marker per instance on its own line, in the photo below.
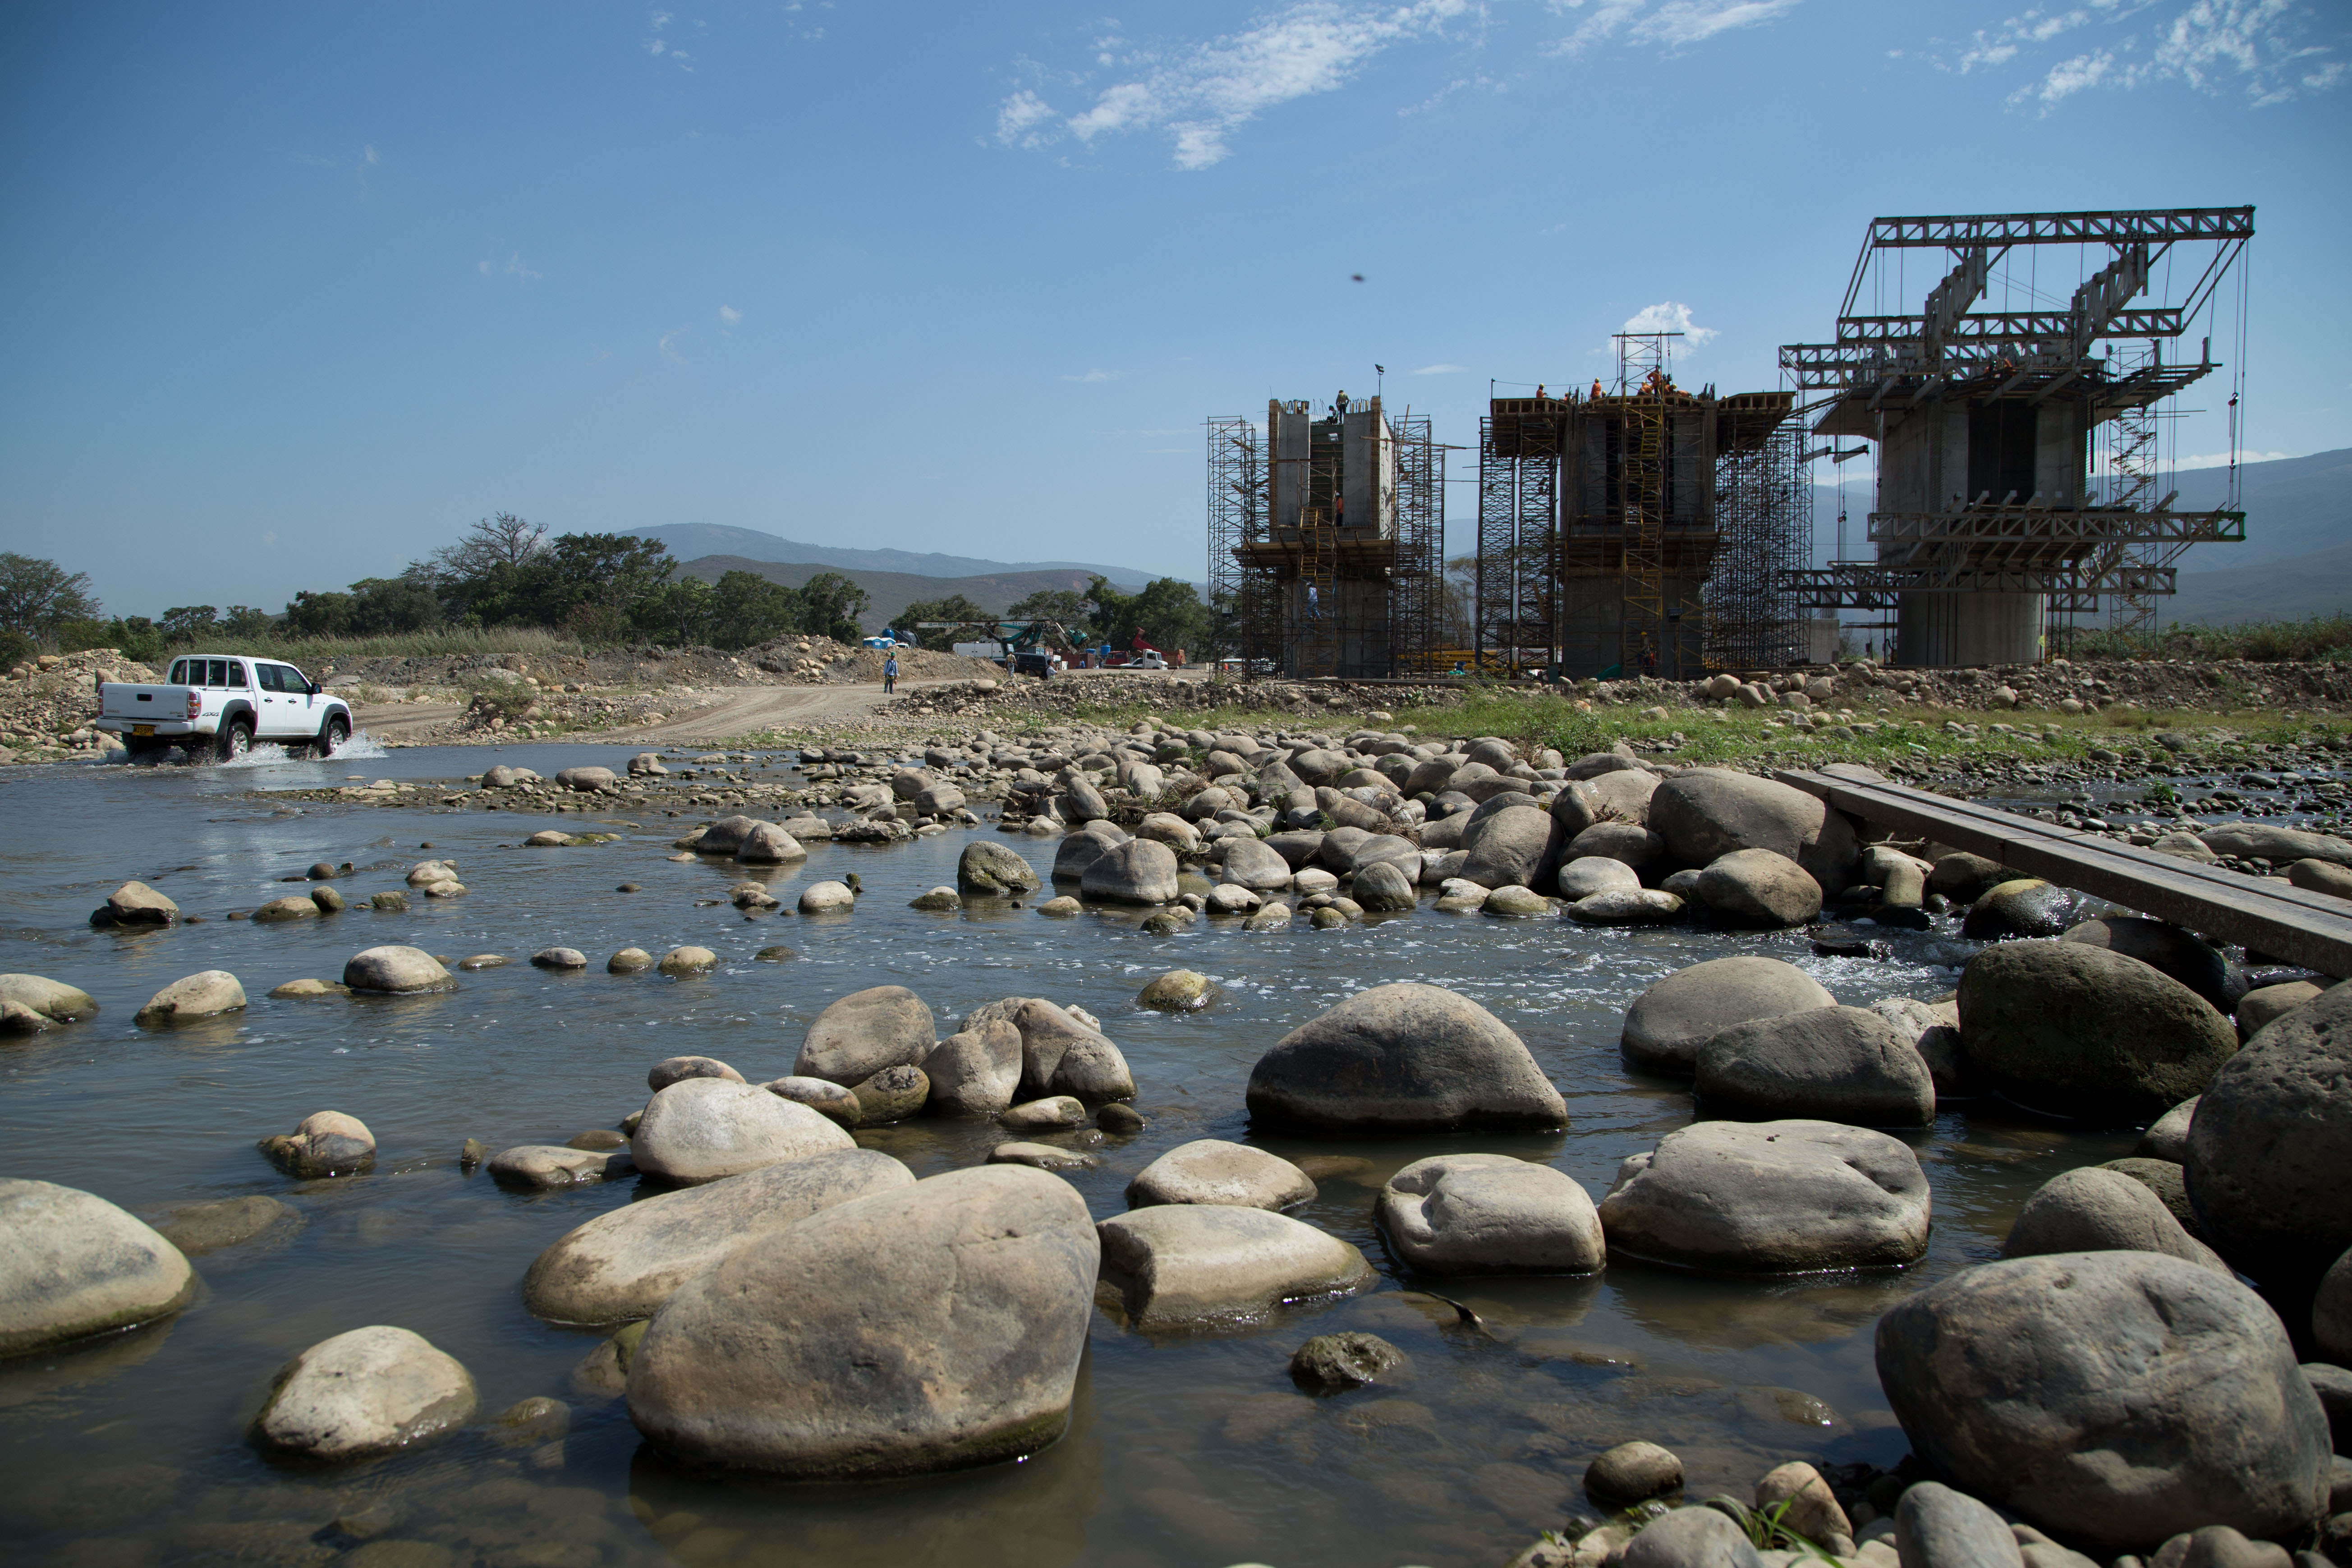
point(504, 539)
point(830, 605)
point(748, 609)
point(976, 625)
point(588, 583)
point(189, 623)
point(1063, 605)
point(243, 623)
point(38, 597)
point(1167, 612)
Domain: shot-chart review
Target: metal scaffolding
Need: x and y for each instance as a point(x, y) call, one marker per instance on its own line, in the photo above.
point(1241, 609)
point(1763, 520)
point(1518, 531)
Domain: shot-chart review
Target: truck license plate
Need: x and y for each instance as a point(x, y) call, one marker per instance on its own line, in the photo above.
point(143, 729)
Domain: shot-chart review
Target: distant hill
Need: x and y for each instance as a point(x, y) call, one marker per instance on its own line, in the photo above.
point(888, 593)
point(690, 541)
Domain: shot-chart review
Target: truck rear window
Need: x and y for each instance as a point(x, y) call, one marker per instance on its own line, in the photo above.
point(179, 675)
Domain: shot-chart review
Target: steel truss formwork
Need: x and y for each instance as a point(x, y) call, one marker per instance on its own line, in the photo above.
point(1327, 540)
point(1989, 532)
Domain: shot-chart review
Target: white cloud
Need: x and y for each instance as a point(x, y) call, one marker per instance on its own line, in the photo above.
point(729, 317)
point(668, 341)
point(2259, 48)
point(514, 266)
point(1440, 370)
point(1201, 94)
point(1095, 375)
point(269, 536)
point(1670, 316)
point(1675, 23)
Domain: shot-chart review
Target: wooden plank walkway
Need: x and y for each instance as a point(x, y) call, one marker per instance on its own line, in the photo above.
point(2288, 923)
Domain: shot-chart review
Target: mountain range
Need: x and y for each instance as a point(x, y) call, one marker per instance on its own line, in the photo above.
point(690, 541)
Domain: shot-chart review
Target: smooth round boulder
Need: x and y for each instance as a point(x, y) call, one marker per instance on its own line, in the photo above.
point(1629, 843)
point(586, 781)
point(1690, 1538)
point(629, 960)
point(365, 1393)
point(1759, 888)
point(206, 995)
point(1042, 1115)
point(543, 1167)
point(828, 1099)
point(559, 958)
point(1042, 1157)
point(136, 903)
point(2265, 1005)
point(1704, 813)
point(1195, 1264)
point(2092, 1209)
point(325, 1143)
point(2167, 1137)
point(73, 1265)
point(1139, 871)
point(1669, 1022)
point(276, 909)
point(679, 962)
point(1489, 1213)
point(1403, 1057)
point(987, 869)
point(2163, 1178)
point(1212, 1171)
point(891, 1095)
point(2027, 907)
point(1061, 1053)
point(51, 999)
point(2271, 1143)
point(826, 898)
point(1832, 1063)
point(1518, 846)
point(939, 900)
point(1178, 991)
point(2119, 1397)
point(1632, 1472)
point(866, 1031)
point(2331, 1312)
point(396, 971)
point(1627, 907)
point(197, 1228)
point(935, 1327)
point(701, 1129)
point(768, 844)
point(1382, 885)
point(974, 1072)
point(1514, 902)
point(677, 1069)
point(2070, 1029)
point(1936, 1527)
point(1770, 1198)
point(2167, 948)
point(624, 1264)
point(1590, 874)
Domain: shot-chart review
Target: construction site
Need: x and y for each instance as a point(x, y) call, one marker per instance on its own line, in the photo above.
point(2019, 415)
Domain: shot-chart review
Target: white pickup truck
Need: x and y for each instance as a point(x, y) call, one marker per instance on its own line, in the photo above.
point(224, 705)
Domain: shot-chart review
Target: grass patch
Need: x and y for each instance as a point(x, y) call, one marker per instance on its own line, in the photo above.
point(311, 654)
point(2321, 639)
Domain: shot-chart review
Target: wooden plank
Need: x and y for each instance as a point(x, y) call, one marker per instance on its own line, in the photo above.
point(2286, 922)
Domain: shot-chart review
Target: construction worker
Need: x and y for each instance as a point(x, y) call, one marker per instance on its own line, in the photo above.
point(1596, 389)
point(1539, 386)
point(889, 674)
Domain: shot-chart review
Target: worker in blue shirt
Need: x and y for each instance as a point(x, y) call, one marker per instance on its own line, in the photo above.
point(889, 673)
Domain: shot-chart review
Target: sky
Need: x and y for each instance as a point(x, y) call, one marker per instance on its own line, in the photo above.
point(293, 292)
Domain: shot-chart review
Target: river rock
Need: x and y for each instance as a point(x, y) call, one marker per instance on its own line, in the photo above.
point(677, 1069)
point(432, 873)
point(2166, 949)
point(768, 844)
point(1512, 902)
point(987, 869)
point(399, 970)
point(2090, 1209)
point(1964, 877)
point(1669, 1022)
point(2321, 877)
point(1936, 1527)
point(1759, 888)
point(1628, 842)
point(2280, 846)
point(276, 909)
point(52, 999)
point(1834, 1064)
point(891, 1095)
point(197, 1228)
point(1489, 1213)
point(1632, 1472)
point(1043, 1115)
point(826, 898)
point(1627, 907)
point(625, 1263)
point(1178, 991)
point(1518, 846)
point(629, 960)
point(1138, 871)
point(2167, 1137)
point(1690, 1538)
point(364, 1393)
point(2271, 1144)
point(206, 995)
point(2075, 1030)
point(1590, 874)
point(73, 1265)
point(1383, 885)
point(933, 1327)
point(1800, 1498)
point(586, 781)
point(137, 904)
point(2162, 1177)
point(1079, 850)
point(1934, 1030)
point(559, 958)
point(1188, 1263)
point(1772, 1197)
point(974, 1072)
point(1061, 1054)
point(537, 1167)
point(701, 1129)
point(821, 1095)
point(1255, 864)
point(1403, 1057)
point(866, 1031)
point(2265, 1005)
point(1212, 1171)
point(2118, 1398)
point(1330, 1363)
point(1042, 1157)
point(325, 1143)
point(2025, 907)
point(2331, 1312)
point(1704, 813)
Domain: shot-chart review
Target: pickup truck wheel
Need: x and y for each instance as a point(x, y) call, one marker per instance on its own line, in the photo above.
point(235, 741)
point(333, 738)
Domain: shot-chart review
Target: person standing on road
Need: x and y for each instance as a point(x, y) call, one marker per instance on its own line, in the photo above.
point(889, 674)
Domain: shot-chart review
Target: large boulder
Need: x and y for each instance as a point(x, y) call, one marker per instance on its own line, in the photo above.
point(987, 869)
point(1490, 1213)
point(1590, 874)
point(397, 970)
point(2070, 1029)
point(586, 780)
point(1518, 846)
point(768, 844)
point(1138, 871)
point(52, 999)
point(1669, 1022)
point(866, 1031)
point(204, 995)
point(1212, 1171)
point(976, 1071)
point(1382, 886)
point(2118, 1397)
point(1704, 813)
point(2024, 907)
point(1833, 1063)
point(73, 1265)
point(1061, 1054)
point(2168, 949)
point(1078, 852)
point(624, 1264)
point(2271, 1145)
point(1195, 1263)
point(935, 1327)
point(1256, 865)
point(1403, 1057)
point(136, 903)
point(1629, 842)
point(2331, 1312)
point(1690, 1538)
point(324, 1143)
point(701, 1129)
point(1761, 888)
point(1770, 1198)
point(364, 1393)
point(2280, 846)
point(1936, 1527)
point(2094, 1209)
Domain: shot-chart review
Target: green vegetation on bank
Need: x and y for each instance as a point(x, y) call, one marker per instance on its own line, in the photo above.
point(2321, 639)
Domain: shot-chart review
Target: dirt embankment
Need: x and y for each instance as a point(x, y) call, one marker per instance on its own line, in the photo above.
point(793, 661)
point(47, 704)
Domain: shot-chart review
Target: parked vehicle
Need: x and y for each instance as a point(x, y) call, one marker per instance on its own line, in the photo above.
point(222, 706)
point(1147, 662)
point(1035, 661)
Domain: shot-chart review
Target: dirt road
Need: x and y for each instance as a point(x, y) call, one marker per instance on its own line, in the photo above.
point(740, 711)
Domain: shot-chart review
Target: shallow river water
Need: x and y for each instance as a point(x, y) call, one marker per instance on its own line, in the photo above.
point(1186, 1449)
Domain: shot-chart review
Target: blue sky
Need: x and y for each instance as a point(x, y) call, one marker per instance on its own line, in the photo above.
point(292, 292)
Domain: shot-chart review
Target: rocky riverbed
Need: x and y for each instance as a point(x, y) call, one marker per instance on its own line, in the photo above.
point(1370, 1204)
